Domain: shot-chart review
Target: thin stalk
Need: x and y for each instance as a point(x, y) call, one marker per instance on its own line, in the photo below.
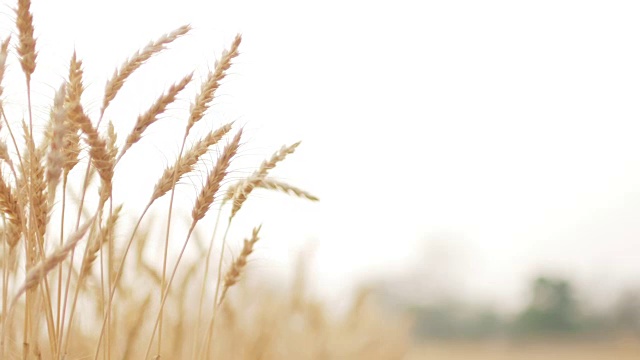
point(204, 280)
point(166, 293)
point(5, 287)
point(117, 278)
point(59, 310)
point(47, 294)
point(215, 297)
point(166, 241)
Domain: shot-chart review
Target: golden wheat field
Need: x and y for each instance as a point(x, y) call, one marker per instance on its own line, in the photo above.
point(84, 276)
point(87, 272)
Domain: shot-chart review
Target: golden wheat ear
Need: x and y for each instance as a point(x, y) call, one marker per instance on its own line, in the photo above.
point(235, 270)
point(121, 74)
point(240, 191)
point(212, 83)
point(185, 164)
point(27, 43)
point(40, 271)
point(214, 180)
point(151, 116)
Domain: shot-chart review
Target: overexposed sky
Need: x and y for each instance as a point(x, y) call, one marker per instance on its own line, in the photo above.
point(510, 129)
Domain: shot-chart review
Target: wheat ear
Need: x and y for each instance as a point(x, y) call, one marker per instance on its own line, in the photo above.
point(11, 209)
point(276, 185)
point(55, 156)
point(212, 83)
point(186, 163)
point(140, 57)
point(203, 202)
point(214, 180)
point(240, 191)
point(4, 51)
point(151, 115)
point(233, 274)
point(38, 272)
point(27, 42)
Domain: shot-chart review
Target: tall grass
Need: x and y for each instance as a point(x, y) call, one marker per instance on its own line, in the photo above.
point(77, 283)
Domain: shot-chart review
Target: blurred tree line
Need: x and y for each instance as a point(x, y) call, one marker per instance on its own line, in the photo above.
point(552, 310)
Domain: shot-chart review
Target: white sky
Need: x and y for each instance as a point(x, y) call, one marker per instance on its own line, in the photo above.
point(508, 129)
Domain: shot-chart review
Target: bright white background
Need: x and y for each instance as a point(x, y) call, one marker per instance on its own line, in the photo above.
point(504, 132)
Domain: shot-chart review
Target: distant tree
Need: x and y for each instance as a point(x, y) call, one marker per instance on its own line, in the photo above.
point(551, 310)
point(454, 320)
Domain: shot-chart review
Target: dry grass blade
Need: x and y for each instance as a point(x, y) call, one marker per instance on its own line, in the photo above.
point(212, 83)
point(38, 272)
point(186, 163)
point(27, 42)
point(120, 75)
point(234, 272)
point(216, 175)
point(149, 117)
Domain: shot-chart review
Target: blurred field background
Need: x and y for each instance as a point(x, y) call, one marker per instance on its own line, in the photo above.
point(621, 349)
